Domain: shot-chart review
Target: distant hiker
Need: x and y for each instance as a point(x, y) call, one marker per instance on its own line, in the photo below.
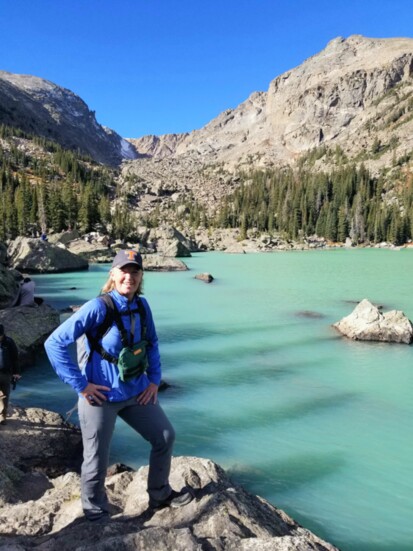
point(43, 237)
point(118, 376)
point(9, 371)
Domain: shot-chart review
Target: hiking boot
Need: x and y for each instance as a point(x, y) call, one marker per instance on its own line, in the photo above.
point(174, 500)
point(98, 517)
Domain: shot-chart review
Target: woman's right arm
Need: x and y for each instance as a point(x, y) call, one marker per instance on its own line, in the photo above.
point(89, 316)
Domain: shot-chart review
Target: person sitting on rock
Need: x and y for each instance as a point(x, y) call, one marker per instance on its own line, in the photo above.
point(9, 370)
point(27, 292)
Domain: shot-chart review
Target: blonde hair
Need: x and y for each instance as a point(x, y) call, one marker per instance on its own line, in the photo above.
point(110, 286)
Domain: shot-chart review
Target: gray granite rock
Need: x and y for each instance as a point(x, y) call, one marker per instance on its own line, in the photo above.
point(64, 237)
point(9, 287)
point(29, 326)
point(35, 445)
point(48, 516)
point(367, 323)
point(36, 256)
point(94, 251)
point(172, 247)
point(208, 278)
point(159, 263)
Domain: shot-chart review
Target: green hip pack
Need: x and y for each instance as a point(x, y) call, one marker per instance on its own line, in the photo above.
point(132, 361)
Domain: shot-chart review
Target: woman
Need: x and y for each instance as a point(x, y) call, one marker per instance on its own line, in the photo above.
point(106, 392)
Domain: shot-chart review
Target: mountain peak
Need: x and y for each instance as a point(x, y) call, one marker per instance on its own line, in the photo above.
point(40, 107)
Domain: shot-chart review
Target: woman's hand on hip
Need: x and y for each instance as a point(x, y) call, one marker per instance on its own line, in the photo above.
point(93, 395)
point(149, 395)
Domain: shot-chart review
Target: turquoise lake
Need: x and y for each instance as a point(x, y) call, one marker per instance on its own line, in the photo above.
point(262, 384)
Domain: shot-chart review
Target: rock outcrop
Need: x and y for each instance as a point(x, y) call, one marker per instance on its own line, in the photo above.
point(9, 286)
point(40, 512)
point(367, 323)
point(35, 441)
point(158, 263)
point(29, 326)
point(93, 251)
point(36, 256)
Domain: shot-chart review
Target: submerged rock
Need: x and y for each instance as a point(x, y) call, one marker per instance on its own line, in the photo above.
point(208, 278)
point(367, 323)
point(222, 517)
point(310, 314)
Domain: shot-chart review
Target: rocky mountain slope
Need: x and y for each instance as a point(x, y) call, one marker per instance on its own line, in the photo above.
point(328, 99)
point(42, 108)
point(355, 96)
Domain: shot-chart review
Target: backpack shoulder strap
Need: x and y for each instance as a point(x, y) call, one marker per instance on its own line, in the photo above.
point(109, 316)
point(142, 314)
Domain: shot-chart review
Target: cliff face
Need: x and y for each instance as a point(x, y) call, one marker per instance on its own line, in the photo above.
point(42, 108)
point(330, 96)
point(328, 99)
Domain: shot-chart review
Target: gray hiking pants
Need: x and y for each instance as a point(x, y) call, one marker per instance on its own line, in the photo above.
point(97, 424)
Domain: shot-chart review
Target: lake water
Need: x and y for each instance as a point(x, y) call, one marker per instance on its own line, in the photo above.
point(262, 384)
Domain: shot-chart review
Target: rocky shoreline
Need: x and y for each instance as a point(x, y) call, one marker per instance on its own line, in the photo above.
point(161, 247)
point(41, 509)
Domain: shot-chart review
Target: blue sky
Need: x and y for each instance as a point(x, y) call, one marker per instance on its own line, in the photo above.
point(163, 66)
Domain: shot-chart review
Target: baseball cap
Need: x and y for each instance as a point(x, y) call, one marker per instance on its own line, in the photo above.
point(125, 257)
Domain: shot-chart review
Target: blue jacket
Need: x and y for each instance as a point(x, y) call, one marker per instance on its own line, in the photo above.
point(98, 371)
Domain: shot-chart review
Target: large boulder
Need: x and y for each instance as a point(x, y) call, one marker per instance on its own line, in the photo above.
point(36, 256)
point(367, 323)
point(172, 247)
point(38, 440)
point(158, 263)
point(171, 242)
point(93, 251)
point(29, 326)
point(222, 517)
point(9, 286)
point(235, 248)
point(63, 237)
